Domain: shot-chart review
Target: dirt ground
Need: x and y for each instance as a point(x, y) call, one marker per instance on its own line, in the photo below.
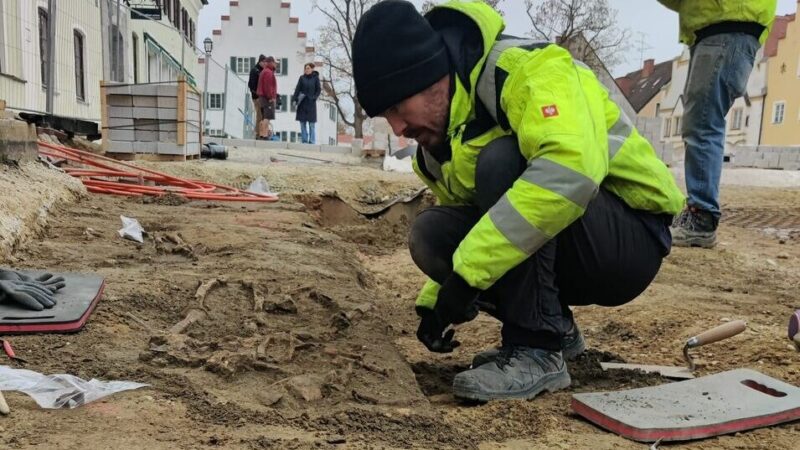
point(307, 338)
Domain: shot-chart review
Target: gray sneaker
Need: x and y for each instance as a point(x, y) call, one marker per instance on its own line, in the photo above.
point(517, 372)
point(694, 228)
point(572, 346)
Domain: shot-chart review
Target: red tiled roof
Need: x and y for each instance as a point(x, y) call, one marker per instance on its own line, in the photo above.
point(294, 20)
point(778, 32)
point(234, 3)
point(301, 34)
point(285, 4)
point(224, 18)
point(640, 89)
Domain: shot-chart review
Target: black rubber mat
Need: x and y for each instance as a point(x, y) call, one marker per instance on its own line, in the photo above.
point(76, 302)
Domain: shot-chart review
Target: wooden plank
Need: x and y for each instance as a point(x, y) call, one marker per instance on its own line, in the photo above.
point(147, 157)
point(181, 112)
point(160, 158)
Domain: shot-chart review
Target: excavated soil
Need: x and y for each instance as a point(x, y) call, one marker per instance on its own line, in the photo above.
point(306, 329)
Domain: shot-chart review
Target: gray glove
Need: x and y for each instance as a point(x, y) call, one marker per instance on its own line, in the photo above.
point(29, 294)
point(45, 280)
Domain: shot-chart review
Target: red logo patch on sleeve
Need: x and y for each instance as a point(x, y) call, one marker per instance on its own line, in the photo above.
point(550, 111)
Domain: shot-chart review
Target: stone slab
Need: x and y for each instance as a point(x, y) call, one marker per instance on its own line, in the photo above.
point(145, 101)
point(166, 148)
point(122, 135)
point(167, 90)
point(167, 102)
point(119, 100)
point(723, 403)
point(121, 112)
point(147, 136)
point(145, 113)
point(145, 147)
point(120, 147)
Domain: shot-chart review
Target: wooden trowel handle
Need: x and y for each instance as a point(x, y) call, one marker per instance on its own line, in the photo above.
point(719, 333)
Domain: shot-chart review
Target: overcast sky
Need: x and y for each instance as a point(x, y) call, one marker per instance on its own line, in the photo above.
point(650, 22)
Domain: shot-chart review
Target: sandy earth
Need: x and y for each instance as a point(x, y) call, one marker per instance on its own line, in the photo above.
point(308, 340)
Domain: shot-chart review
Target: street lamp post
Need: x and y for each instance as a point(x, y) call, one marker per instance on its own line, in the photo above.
point(208, 45)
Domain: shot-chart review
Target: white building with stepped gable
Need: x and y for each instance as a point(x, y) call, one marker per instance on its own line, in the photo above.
point(251, 28)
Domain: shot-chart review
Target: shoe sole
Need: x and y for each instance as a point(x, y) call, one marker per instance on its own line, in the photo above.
point(695, 243)
point(550, 383)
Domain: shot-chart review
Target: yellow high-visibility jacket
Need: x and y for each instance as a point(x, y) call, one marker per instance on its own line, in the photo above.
point(698, 14)
point(572, 135)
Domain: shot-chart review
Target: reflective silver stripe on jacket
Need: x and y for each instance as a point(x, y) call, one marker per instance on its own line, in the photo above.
point(515, 228)
point(486, 88)
point(574, 186)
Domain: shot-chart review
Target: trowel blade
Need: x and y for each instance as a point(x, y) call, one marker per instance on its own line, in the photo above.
point(674, 372)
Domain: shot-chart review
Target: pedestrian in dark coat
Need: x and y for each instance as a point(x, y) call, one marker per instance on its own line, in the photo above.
point(305, 96)
point(252, 84)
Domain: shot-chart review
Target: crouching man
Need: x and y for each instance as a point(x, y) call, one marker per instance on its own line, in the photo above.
point(548, 196)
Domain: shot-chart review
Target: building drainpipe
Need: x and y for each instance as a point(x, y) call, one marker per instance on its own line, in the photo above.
point(51, 44)
point(761, 122)
point(225, 101)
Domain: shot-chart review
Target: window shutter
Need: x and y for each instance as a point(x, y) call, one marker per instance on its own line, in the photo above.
point(222, 101)
point(252, 62)
point(233, 64)
point(285, 66)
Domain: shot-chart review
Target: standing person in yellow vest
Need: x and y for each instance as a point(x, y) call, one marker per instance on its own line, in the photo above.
point(547, 195)
point(723, 37)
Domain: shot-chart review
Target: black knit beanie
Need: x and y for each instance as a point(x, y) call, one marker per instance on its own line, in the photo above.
point(396, 54)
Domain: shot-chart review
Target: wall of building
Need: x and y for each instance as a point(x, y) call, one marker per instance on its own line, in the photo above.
point(21, 83)
point(162, 49)
point(784, 88)
point(653, 107)
point(244, 33)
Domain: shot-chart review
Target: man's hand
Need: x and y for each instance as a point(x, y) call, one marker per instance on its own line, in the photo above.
point(431, 332)
point(457, 301)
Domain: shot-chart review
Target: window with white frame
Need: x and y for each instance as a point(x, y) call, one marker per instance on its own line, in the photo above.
point(282, 99)
point(281, 66)
point(80, 66)
point(736, 119)
point(778, 110)
point(215, 132)
point(241, 65)
point(215, 101)
point(677, 126)
point(667, 129)
point(43, 38)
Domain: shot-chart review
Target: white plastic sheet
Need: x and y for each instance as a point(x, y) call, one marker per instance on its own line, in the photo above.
point(61, 390)
point(131, 229)
point(260, 186)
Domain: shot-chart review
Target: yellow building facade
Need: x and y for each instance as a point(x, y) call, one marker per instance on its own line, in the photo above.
point(781, 119)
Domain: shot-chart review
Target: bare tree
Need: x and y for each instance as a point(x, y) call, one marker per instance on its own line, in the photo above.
point(587, 27)
point(427, 5)
point(335, 47)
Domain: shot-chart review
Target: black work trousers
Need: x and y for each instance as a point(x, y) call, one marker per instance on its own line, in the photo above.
point(607, 257)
